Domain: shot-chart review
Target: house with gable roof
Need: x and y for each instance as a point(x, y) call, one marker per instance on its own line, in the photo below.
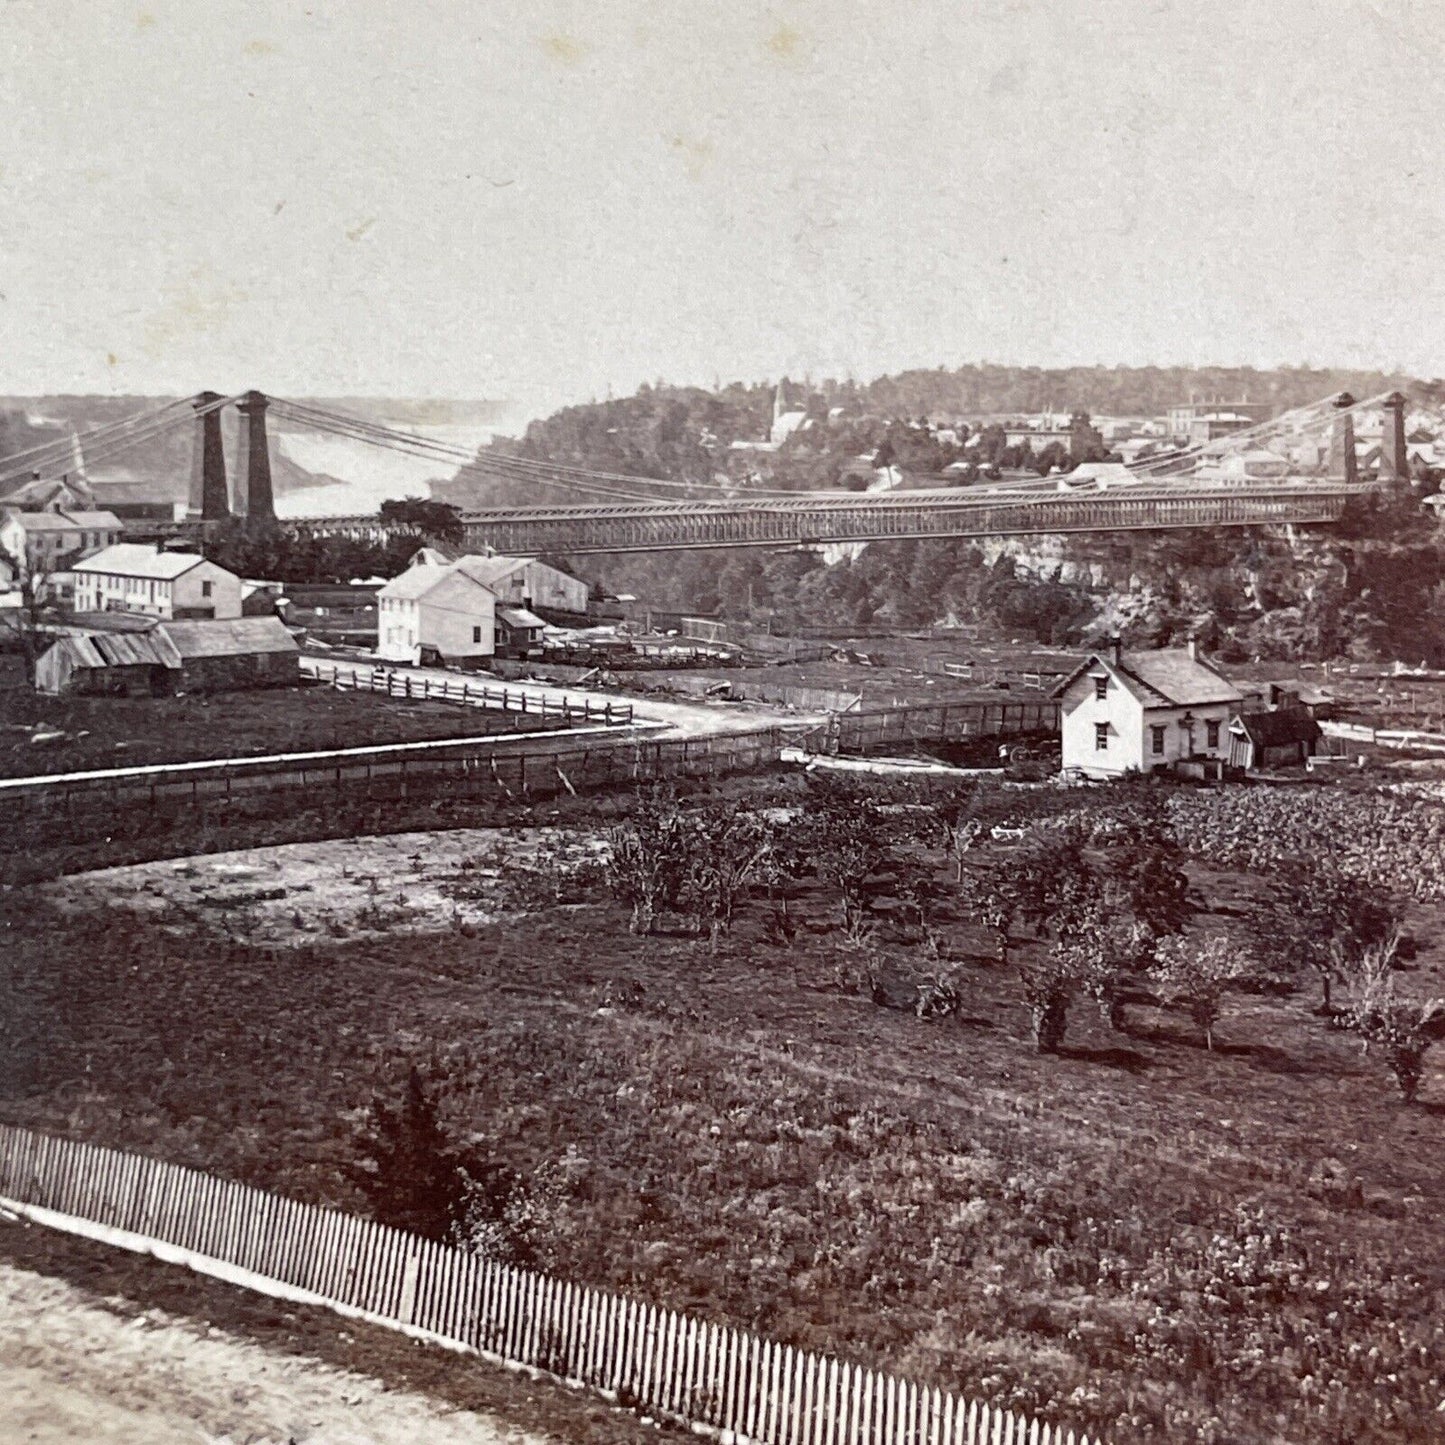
point(1133, 712)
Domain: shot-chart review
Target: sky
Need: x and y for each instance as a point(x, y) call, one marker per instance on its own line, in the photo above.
point(546, 201)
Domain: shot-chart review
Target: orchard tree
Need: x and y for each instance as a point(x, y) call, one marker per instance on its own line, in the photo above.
point(1403, 1030)
point(1325, 921)
point(1199, 972)
point(729, 848)
point(989, 894)
point(848, 837)
point(1049, 985)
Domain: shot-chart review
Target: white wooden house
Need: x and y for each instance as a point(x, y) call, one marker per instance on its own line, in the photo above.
point(436, 614)
point(48, 541)
point(138, 577)
point(1138, 711)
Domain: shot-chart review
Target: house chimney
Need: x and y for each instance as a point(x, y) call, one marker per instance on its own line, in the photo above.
point(1116, 649)
point(1193, 650)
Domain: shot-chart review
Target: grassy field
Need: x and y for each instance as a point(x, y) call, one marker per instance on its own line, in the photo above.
point(1138, 1236)
point(110, 732)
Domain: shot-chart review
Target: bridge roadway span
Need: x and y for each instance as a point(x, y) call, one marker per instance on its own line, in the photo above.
point(816, 518)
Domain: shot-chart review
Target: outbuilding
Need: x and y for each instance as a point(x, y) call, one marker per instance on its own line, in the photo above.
point(1281, 737)
point(109, 664)
point(235, 655)
point(519, 632)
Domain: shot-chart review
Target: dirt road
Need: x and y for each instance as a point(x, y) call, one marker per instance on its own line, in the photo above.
point(671, 719)
point(70, 1370)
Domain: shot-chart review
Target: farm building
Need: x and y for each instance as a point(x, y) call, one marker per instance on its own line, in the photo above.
point(1135, 712)
point(137, 577)
point(234, 655)
point(168, 657)
point(519, 632)
point(1273, 738)
point(114, 664)
point(517, 581)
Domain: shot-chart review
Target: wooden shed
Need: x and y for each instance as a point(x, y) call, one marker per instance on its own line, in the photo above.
point(1274, 738)
point(114, 664)
point(230, 656)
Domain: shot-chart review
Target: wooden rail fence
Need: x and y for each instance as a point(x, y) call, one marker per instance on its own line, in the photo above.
point(396, 682)
point(724, 1381)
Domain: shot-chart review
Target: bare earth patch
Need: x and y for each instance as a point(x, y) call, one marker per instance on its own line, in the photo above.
point(71, 1369)
point(348, 887)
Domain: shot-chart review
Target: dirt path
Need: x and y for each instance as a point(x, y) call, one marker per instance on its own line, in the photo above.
point(674, 719)
point(70, 1370)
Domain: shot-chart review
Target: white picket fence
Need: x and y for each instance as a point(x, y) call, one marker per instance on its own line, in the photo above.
point(720, 1381)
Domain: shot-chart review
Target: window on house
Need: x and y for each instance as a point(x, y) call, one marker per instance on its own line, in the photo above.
point(476, 634)
point(205, 589)
point(1157, 741)
point(1212, 734)
point(1101, 688)
point(1101, 737)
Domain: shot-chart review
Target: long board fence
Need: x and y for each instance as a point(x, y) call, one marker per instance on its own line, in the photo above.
point(531, 767)
point(534, 767)
point(724, 1381)
point(965, 720)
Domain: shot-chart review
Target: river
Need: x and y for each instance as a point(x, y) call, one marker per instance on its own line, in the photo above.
point(368, 475)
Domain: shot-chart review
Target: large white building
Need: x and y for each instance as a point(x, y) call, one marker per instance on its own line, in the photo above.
point(436, 613)
point(136, 577)
point(467, 609)
point(1134, 712)
point(48, 541)
point(517, 581)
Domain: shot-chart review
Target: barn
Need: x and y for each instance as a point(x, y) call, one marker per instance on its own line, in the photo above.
point(110, 664)
point(230, 656)
point(168, 657)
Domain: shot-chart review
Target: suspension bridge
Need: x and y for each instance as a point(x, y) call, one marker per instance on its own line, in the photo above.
point(580, 511)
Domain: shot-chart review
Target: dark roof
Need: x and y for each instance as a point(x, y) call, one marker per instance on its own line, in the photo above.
point(1279, 727)
point(235, 637)
point(1170, 677)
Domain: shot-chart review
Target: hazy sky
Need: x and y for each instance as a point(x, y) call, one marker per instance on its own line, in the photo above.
point(542, 200)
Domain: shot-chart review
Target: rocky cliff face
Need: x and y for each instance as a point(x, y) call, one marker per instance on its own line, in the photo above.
point(1371, 589)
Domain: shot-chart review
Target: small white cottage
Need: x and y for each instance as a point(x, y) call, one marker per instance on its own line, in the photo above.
point(1137, 711)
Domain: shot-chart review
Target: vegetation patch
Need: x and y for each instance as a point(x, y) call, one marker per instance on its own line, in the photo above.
point(1192, 1207)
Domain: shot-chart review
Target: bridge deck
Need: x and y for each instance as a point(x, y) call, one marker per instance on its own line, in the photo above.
point(877, 517)
point(814, 518)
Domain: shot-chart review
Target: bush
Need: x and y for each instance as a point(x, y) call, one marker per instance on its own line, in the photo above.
point(650, 854)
